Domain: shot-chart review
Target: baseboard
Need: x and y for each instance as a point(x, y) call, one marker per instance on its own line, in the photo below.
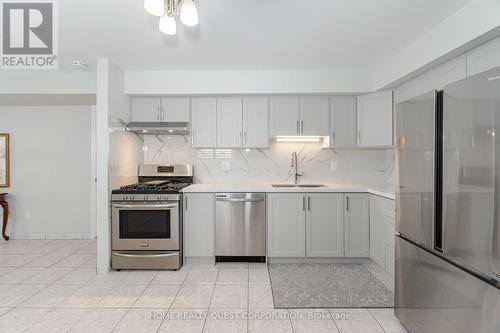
point(318, 260)
point(199, 260)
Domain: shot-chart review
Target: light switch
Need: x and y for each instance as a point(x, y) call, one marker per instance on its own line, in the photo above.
point(27, 215)
point(334, 166)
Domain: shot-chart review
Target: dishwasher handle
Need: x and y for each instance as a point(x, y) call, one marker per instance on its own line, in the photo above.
point(238, 200)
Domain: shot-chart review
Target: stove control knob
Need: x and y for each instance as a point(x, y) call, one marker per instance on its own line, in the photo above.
point(125, 197)
point(146, 197)
point(131, 197)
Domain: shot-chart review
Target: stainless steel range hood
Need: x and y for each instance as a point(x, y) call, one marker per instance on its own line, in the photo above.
point(159, 128)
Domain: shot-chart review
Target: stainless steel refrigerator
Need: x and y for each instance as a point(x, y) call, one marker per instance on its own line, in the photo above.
point(448, 208)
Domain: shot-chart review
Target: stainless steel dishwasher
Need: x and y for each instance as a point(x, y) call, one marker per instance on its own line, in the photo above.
point(240, 226)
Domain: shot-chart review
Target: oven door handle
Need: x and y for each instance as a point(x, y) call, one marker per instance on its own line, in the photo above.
point(161, 255)
point(149, 206)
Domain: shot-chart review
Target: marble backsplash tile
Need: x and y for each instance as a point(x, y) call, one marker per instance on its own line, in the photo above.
point(273, 164)
point(125, 154)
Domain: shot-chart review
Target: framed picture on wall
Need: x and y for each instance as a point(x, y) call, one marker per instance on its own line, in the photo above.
point(4, 160)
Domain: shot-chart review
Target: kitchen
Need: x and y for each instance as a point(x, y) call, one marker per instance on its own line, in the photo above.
point(237, 191)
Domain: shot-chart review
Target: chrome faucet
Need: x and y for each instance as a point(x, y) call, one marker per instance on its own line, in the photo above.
point(295, 164)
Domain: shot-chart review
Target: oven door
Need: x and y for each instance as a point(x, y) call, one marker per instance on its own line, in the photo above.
point(145, 226)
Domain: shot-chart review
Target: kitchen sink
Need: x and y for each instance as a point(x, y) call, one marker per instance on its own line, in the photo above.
point(297, 185)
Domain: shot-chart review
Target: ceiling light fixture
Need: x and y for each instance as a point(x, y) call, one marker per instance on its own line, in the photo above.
point(155, 7)
point(169, 9)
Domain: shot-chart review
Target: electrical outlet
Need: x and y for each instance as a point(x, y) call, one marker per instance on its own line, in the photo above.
point(334, 166)
point(27, 215)
point(226, 166)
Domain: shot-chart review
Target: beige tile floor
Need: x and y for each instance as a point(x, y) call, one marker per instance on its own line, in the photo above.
point(51, 286)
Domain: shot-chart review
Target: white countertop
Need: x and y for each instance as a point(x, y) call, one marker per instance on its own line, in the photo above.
point(382, 190)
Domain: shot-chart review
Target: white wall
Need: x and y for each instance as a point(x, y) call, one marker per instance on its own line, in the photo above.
point(118, 152)
point(47, 82)
point(470, 26)
point(245, 82)
point(50, 170)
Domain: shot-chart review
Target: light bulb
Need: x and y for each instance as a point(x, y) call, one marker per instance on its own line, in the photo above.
point(189, 13)
point(168, 25)
point(155, 7)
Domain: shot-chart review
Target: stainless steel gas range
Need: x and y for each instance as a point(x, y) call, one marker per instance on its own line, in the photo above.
point(146, 219)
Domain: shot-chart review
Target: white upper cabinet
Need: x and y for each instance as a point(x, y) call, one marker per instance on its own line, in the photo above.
point(343, 122)
point(204, 122)
point(175, 109)
point(299, 116)
point(374, 115)
point(145, 109)
point(435, 79)
point(357, 228)
point(242, 122)
point(229, 122)
point(154, 109)
point(325, 225)
point(255, 122)
point(483, 58)
point(285, 116)
point(314, 116)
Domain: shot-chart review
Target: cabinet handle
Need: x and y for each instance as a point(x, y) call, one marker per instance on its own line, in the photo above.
point(308, 203)
point(192, 137)
point(298, 127)
point(241, 139)
point(186, 204)
point(162, 113)
point(158, 112)
point(245, 139)
point(302, 126)
point(359, 138)
point(347, 203)
point(333, 137)
point(303, 203)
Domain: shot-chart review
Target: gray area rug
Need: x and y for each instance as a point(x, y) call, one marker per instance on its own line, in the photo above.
point(327, 286)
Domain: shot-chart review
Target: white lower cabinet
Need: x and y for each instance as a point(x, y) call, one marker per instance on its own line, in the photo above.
point(305, 225)
point(286, 230)
point(382, 230)
point(198, 224)
point(325, 225)
point(357, 225)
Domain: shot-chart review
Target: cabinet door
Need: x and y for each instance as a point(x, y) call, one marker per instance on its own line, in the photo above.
point(377, 231)
point(325, 225)
point(343, 122)
point(146, 109)
point(286, 225)
point(203, 122)
point(229, 123)
point(285, 116)
point(198, 224)
point(255, 122)
point(314, 115)
point(483, 58)
point(374, 113)
point(357, 229)
point(175, 109)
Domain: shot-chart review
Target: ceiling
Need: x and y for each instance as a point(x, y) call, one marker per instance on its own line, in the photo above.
point(248, 34)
